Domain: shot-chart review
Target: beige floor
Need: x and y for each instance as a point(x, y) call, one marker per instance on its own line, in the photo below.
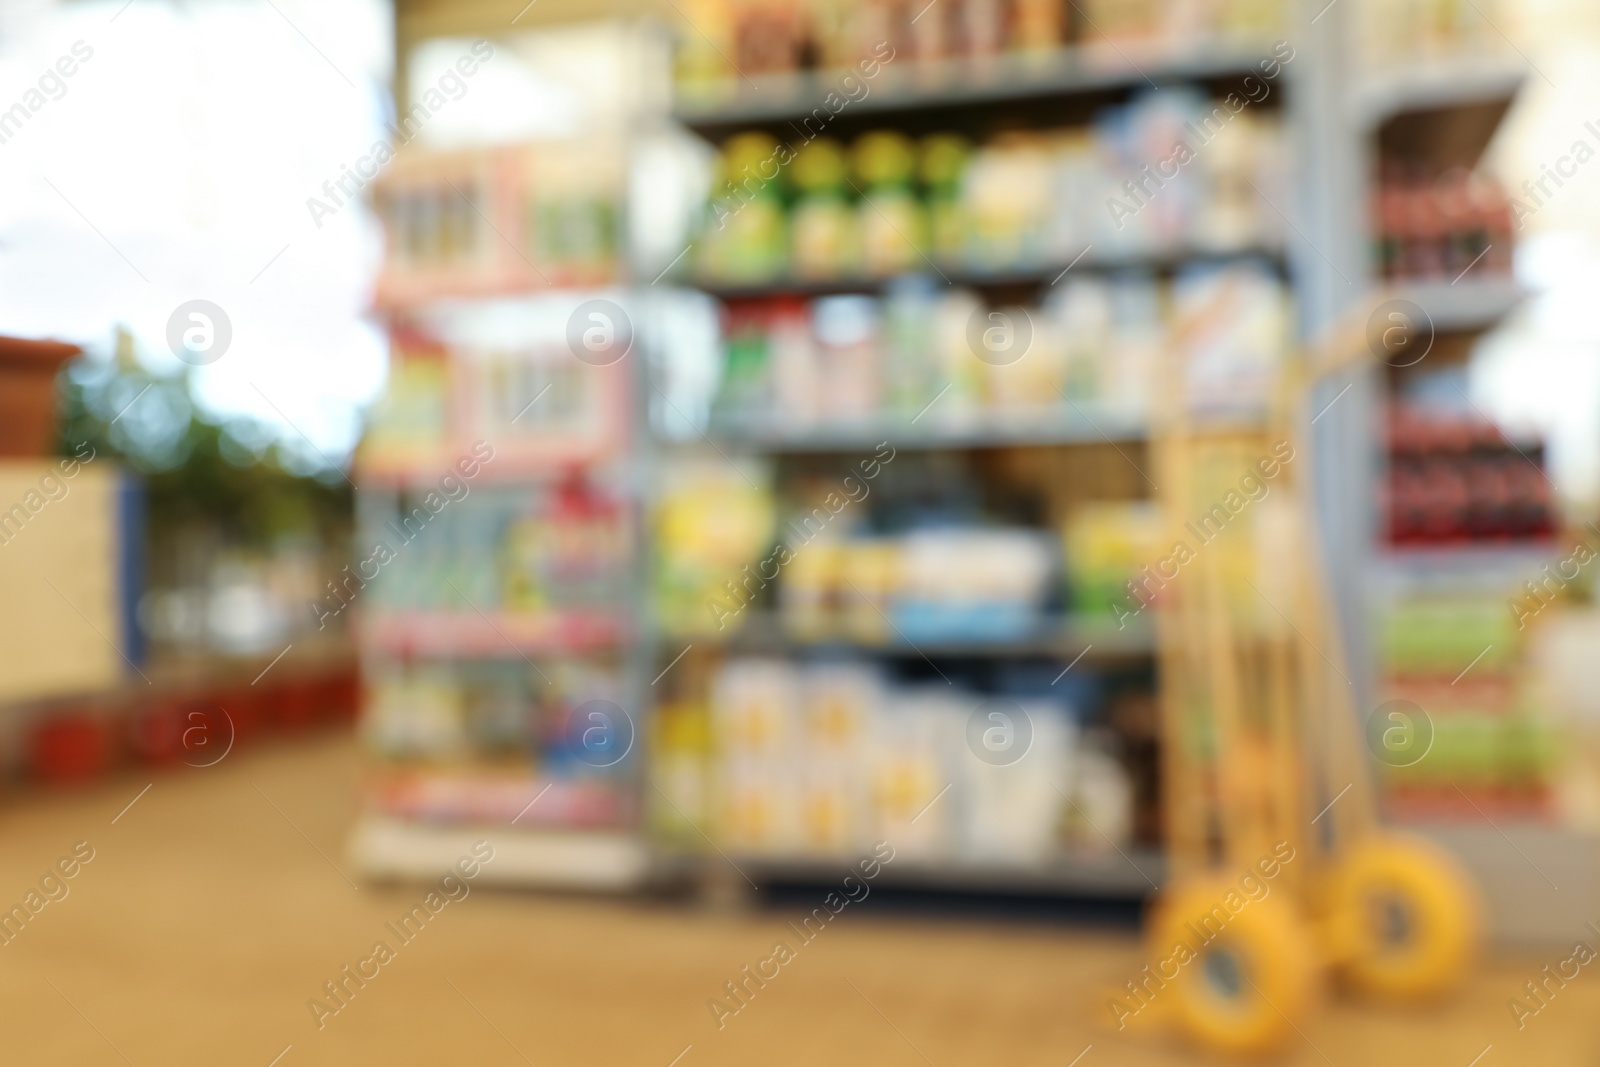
point(205, 921)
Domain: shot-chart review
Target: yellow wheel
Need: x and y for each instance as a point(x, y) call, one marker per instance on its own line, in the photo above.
point(1236, 974)
point(1404, 920)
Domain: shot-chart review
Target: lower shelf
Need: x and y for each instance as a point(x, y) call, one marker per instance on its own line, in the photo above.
point(1134, 875)
point(1538, 882)
point(501, 634)
point(1517, 868)
point(389, 848)
point(386, 848)
point(1060, 637)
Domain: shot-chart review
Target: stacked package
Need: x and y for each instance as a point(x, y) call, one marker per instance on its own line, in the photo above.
point(1460, 732)
point(823, 759)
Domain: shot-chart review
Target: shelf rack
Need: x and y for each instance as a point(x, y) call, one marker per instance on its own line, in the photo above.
point(1448, 108)
point(552, 826)
point(1339, 126)
point(1446, 112)
point(392, 842)
point(1055, 88)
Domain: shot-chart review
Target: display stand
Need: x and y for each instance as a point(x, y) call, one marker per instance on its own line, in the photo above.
point(1061, 87)
point(503, 663)
point(1340, 124)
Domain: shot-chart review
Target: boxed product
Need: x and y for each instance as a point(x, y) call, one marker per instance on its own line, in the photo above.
point(819, 759)
point(973, 583)
point(938, 584)
point(1015, 810)
point(1106, 545)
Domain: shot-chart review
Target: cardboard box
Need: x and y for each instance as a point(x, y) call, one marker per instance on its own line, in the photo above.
point(63, 578)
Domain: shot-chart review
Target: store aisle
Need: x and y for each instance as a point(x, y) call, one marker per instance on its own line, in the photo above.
point(206, 919)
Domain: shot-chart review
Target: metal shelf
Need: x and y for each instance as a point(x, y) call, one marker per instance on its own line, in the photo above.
point(1518, 866)
point(1083, 426)
point(1472, 556)
point(1159, 260)
point(1437, 85)
point(410, 473)
point(1127, 874)
point(393, 849)
point(467, 633)
point(1477, 566)
point(1471, 304)
point(491, 794)
point(1100, 639)
point(1442, 113)
point(780, 98)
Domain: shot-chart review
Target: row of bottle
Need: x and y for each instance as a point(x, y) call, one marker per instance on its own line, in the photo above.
point(513, 550)
point(1021, 200)
point(820, 759)
point(753, 37)
point(947, 359)
point(1455, 479)
point(1442, 226)
point(500, 219)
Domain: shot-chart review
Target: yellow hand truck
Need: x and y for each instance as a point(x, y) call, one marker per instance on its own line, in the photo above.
point(1280, 877)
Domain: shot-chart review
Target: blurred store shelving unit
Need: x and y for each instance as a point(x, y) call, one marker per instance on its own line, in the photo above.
point(1467, 513)
point(897, 206)
point(496, 510)
point(1410, 128)
point(942, 525)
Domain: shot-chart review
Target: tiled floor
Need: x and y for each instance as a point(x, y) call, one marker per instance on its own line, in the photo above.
point(206, 921)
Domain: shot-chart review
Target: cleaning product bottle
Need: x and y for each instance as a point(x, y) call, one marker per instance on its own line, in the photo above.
point(823, 226)
point(892, 220)
point(745, 237)
point(943, 165)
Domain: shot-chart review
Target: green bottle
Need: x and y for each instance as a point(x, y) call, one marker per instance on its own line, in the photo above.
point(745, 235)
point(893, 226)
point(944, 166)
point(823, 228)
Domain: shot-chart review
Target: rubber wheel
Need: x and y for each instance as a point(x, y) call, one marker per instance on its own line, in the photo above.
point(1405, 922)
point(1246, 989)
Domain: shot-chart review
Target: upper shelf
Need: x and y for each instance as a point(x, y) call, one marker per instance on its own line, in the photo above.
point(1157, 260)
point(1468, 305)
point(1052, 425)
point(1045, 426)
point(1443, 112)
point(1057, 637)
point(776, 99)
point(1474, 565)
point(1436, 86)
point(1130, 873)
